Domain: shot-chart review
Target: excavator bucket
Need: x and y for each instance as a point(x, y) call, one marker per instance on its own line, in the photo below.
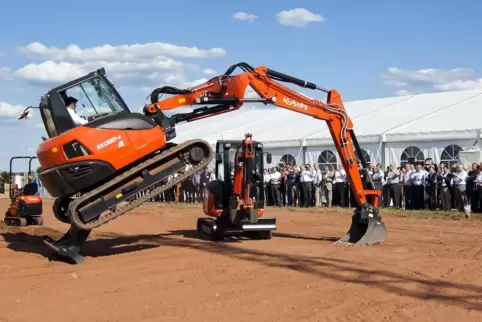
point(364, 231)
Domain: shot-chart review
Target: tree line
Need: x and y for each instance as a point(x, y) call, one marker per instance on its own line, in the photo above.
point(5, 176)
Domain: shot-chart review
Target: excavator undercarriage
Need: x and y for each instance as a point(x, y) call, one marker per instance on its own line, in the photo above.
point(118, 196)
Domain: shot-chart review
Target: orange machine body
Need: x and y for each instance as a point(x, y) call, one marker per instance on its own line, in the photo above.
point(67, 159)
point(209, 205)
point(23, 203)
point(118, 148)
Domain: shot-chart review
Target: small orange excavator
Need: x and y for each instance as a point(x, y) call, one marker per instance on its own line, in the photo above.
point(95, 168)
point(235, 200)
point(26, 204)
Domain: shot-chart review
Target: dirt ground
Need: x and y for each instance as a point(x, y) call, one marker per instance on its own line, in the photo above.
point(148, 266)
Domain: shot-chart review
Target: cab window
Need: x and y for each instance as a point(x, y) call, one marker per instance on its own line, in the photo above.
point(94, 97)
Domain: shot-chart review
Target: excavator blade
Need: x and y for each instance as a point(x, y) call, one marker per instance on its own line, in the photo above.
point(364, 232)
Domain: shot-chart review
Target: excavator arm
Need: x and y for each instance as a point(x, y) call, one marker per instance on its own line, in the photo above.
point(243, 174)
point(225, 93)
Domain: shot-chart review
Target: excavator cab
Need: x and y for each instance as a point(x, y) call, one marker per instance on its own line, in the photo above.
point(99, 104)
point(96, 98)
point(229, 216)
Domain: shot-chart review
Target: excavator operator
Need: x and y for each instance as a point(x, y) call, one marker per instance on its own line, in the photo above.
point(71, 104)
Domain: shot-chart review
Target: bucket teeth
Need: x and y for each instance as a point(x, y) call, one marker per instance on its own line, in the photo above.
point(343, 243)
point(366, 229)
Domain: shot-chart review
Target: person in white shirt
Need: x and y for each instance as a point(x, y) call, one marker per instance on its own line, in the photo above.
point(275, 181)
point(339, 185)
point(418, 187)
point(460, 182)
point(378, 178)
point(393, 186)
point(71, 104)
point(443, 178)
point(328, 178)
point(317, 181)
point(307, 178)
point(407, 187)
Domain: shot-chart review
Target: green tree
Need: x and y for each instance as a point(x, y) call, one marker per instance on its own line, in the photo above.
point(4, 177)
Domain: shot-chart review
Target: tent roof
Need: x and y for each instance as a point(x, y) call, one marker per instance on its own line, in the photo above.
point(424, 116)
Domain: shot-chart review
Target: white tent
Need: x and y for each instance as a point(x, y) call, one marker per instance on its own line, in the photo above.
point(395, 129)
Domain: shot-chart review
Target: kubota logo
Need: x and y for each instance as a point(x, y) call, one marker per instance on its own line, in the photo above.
point(294, 103)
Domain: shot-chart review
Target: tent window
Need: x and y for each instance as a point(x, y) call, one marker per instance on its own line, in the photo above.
point(365, 155)
point(327, 158)
point(287, 160)
point(412, 154)
point(450, 155)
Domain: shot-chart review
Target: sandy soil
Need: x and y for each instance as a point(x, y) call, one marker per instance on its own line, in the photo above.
point(148, 266)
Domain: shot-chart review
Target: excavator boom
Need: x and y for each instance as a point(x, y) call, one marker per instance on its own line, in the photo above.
point(225, 93)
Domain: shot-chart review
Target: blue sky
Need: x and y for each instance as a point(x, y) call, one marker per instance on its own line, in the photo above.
point(365, 49)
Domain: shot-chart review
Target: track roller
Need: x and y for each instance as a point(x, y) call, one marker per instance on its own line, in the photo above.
point(60, 207)
point(16, 221)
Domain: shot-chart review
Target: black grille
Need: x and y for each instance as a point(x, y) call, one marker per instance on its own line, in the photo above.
point(79, 171)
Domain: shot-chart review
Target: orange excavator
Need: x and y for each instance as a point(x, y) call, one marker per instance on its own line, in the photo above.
point(96, 167)
point(234, 201)
point(26, 204)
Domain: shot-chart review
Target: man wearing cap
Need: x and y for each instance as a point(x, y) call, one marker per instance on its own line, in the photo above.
point(71, 103)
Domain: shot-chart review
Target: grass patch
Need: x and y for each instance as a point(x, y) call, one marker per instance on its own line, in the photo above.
point(401, 213)
point(421, 214)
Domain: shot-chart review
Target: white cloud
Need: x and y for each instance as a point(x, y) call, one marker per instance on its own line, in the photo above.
point(9, 110)
point(404, 92)
point(209, 72)
point(250, 93)
point(195, 82)
point(244, 16)
point(460, 85)
point(50, 71)
point(125, 72)
point(136, 65)
point(4, 72)
point(431, 79)
point(400, 77)
point(298, 17)
point(307, 96)
point(119, 53)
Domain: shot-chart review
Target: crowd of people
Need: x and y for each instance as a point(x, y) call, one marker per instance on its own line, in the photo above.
point(412, 187)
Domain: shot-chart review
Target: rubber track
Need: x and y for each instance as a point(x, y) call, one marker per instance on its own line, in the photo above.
point(72, 211)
